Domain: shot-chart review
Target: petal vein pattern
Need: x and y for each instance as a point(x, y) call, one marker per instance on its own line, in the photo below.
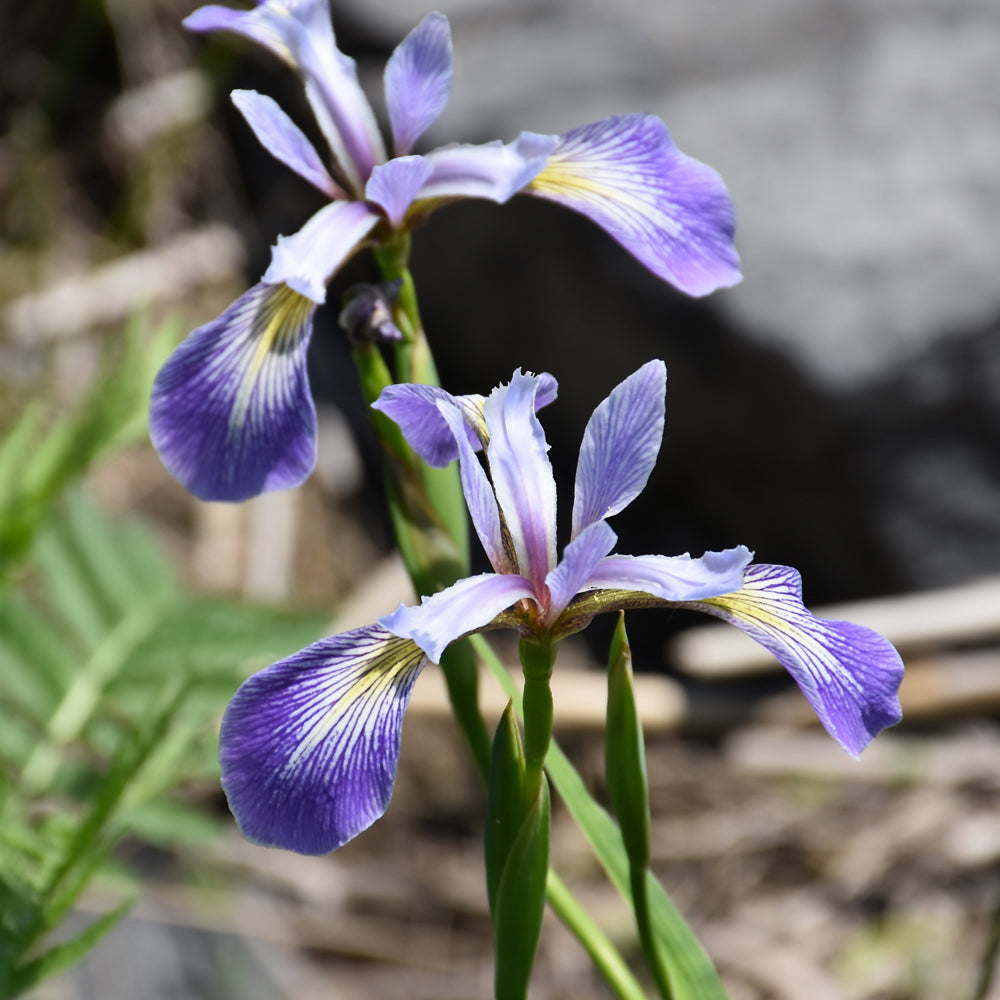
point(231, 414)
point(309, 746)
point(849, 674)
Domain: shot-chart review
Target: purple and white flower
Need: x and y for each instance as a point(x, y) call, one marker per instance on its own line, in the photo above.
point(231, 412)
point(309, 746)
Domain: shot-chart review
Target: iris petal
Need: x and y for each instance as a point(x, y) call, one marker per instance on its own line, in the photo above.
point(673, 578)
point(849, 674)
point(395, 184)
point(284, 140)
point(579, 560)
point(300, 33)
point(306, 260)
point(418, 81)
point(309, 746)
point(491, 170)
point(231, 414)
point(522, 475)
point(620, 446)
point(478, 493)
point(467, 606)
point(670, 211)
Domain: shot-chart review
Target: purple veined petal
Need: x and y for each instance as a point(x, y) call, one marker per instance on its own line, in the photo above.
point(231, 414)
point(467, 606)
point(849, 674)
point(395, 184)
point(579, 561)
point(670, 211)
point(418, 81)
point(300, 33)
point(284, 140)
point(478, 492)
point(522, 475)
point(309, 746)
point(414, 408)
point(673, 578)
point(307, 260)
point(620, 446)
point(492, 170)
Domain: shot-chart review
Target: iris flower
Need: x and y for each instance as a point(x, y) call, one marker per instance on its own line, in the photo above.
point(231, 412)
point(309, 746)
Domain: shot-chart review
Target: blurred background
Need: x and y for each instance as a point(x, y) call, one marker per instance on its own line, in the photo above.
point(839, 411)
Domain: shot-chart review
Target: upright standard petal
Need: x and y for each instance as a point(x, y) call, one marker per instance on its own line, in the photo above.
point(579, 561)
point(522, 475)
point(307, 260)
point(309, 746)
point(231, 414)
point(418, 81)
point(284, 140)
point(492, 170)
point(849, 674)
point(670, 211)
point(673, 578)
point(620, 446)
point(300, 33)
point(467, 606)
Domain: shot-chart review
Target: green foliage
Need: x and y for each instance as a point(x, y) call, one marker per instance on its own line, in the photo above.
point(690, 971)
point(518, 820)
point(111, 684)
point(112, 679)
point(38, 462)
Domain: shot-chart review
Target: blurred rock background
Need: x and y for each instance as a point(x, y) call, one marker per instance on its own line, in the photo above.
point(839, 411)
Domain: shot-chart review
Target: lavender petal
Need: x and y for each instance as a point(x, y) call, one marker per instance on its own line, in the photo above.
point(620, 446)
point(467, 606)
point(849, 674)
point(673, 578)
point(670, 211)
point(284, 140)
point(418, 81)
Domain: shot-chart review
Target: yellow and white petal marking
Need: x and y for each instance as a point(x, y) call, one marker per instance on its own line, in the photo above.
point(849, 674)
point(231, 414)
point(670, 211)
point(309, 746)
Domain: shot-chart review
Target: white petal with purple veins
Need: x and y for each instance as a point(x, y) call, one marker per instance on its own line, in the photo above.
point(308, 259)
point(309, 746)
point(620, 446)
point(522, 474)
point(673, 578)
point(418, 80)
point(467, 606)
point(231, 414)
point(849, 674)
point(670, 211)
point(284, 140)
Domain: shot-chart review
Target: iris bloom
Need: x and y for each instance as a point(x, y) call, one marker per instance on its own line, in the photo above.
point(309, 746)
point(231, 412)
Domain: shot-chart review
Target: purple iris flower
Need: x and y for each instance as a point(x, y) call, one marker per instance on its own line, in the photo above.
point(231, 412)
point(309, 746)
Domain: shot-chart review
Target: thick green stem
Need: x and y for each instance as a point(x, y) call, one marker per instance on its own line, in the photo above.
point(536, 661)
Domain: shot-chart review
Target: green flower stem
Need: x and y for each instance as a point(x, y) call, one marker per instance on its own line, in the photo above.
point(536, 661)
